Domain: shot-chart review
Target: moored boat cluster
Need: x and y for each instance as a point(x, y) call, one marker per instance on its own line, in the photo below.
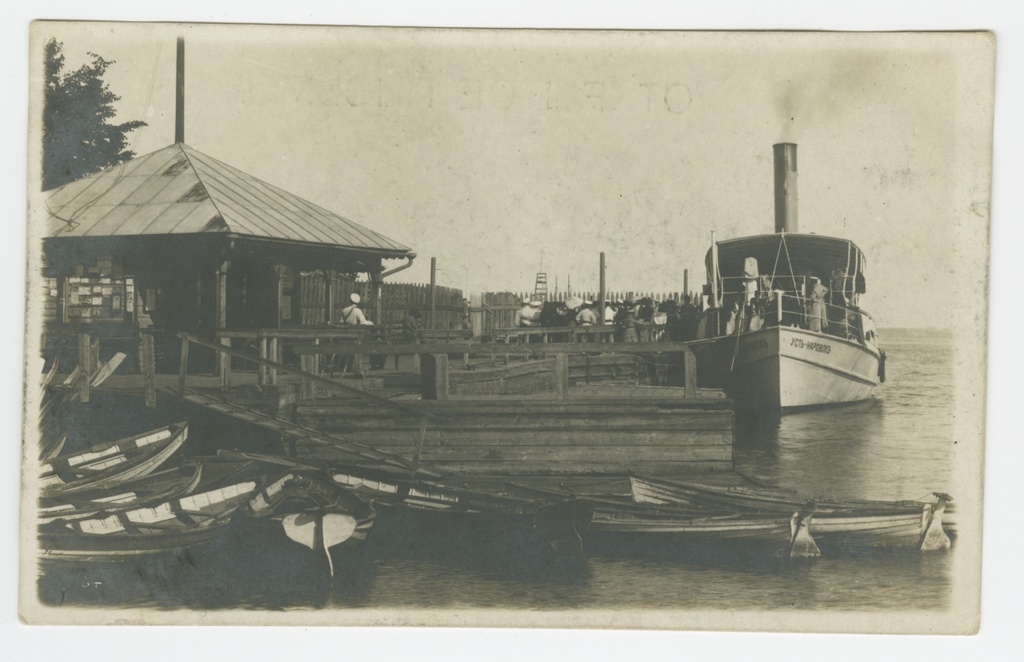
point(140, 496)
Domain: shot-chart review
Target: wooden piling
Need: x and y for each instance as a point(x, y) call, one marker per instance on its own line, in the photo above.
point(183, 368)
point(434, 376)
point(261, 378)
point(147, 361)
point(431, 317)
point(562, 376)
point(689, 374)
point(85, 365)
point(274, 352)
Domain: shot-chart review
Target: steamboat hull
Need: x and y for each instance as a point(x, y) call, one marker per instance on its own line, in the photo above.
point(787, 368)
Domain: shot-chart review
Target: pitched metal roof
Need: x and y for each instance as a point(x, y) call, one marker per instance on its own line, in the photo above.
point(177, 190)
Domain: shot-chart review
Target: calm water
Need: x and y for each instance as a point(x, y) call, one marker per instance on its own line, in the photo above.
point(892, 447)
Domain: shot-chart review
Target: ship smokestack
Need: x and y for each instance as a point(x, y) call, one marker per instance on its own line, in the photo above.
point(179, 94)
point(785, 188)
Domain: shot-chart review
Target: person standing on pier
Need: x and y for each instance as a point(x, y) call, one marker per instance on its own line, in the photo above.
point(626, 320)
point(352, 315)
point(529, 314)
point(587, 315)
point(412, 331)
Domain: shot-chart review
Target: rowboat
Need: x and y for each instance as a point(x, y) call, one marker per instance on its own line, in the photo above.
point(427, 518)
point(315, 512)
point(109, 464)
point(844, 523)
point(661, 491)
point(178, 523)
point(522, 537)
point(143, 491)
point(620, 517)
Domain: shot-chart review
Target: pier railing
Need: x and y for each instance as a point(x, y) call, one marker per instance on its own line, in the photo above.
point(310, 345)
point(273, 367)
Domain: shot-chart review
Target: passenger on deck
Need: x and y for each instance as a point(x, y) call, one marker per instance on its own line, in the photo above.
point(732, 323)
point(817, 318)
point(838, 311)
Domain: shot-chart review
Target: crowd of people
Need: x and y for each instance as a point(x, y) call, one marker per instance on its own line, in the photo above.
point(669, 319)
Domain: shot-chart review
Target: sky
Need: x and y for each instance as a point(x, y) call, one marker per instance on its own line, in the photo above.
point(504, 154)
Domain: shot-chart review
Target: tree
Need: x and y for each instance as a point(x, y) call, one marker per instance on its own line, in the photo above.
point(78, 138)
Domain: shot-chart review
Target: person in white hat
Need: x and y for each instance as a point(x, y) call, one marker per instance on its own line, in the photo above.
point(587, 315)
point(353, 314)
point(529, 314)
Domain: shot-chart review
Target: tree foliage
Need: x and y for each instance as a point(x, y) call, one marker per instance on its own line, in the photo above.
point(78, 137)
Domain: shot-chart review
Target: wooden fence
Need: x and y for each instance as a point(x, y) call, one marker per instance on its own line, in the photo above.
point(396, 300)
point(486, 311)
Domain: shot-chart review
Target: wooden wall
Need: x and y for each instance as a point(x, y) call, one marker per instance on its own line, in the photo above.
point(521, 437)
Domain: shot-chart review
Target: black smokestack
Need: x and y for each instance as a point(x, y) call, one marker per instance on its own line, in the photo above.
point(179, 96)
point(785, 188)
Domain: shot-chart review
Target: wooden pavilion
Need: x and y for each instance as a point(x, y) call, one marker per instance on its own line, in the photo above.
point(176, 240)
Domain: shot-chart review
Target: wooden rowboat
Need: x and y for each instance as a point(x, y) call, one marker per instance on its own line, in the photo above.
point(843, 523)
point(109, 464)
point(621, 516)
point(170, 525)
point(646, 489)
point(315, 512)
point(146, 490)
point(484, 526)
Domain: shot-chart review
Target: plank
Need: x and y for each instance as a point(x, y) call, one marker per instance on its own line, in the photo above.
point(382, 439)
point(541, 466)
point(612, 455)
point(582, 409)
point(500, 348)
point(612, 425)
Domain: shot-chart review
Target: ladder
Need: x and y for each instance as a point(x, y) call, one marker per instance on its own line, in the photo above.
point(540, 288)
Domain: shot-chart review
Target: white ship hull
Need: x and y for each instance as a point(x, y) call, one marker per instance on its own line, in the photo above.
point(787, 368)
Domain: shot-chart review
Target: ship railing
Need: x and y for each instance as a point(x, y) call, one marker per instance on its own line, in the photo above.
point(778, 309)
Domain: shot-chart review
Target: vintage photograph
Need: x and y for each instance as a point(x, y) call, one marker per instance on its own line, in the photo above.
point(542, 328)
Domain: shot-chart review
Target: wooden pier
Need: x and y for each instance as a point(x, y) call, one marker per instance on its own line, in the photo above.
point(578, 416)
